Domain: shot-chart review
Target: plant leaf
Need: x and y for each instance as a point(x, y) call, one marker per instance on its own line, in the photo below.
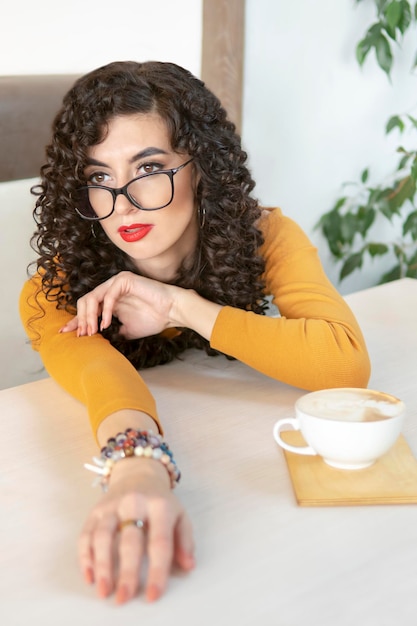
point(403, 162)
point(329, 225)
point(385, 209)
point(332, 217)
point(399, 252)
point(394, 122)
point(393, 274)
point(364, 175)
point(379, 201)
point(365, 218)
point(381, 5)
point(348, 227)
point(410, 225)
point(412, 271)
point(351, 264)
point(383, 53)
point(413, 120)
point(339, 203)
point(412, 266)
point(362, 50)
point(413, 172)
point(403, 190)
point(393, 14)
point(377, 249)
point(405, 16)
point(375, 195)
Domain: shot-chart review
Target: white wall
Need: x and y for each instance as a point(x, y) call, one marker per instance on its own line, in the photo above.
point(50, 37)
point(312, 118)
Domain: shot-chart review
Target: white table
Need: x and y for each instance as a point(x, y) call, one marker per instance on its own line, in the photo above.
point(260, 558)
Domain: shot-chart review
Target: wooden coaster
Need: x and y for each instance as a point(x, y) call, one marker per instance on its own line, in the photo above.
point(392, 479)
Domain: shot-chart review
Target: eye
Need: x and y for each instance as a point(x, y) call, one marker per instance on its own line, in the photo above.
point(98, 178)
point(150, 168)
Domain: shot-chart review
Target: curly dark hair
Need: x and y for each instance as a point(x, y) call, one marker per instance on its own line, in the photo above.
point(226, 268)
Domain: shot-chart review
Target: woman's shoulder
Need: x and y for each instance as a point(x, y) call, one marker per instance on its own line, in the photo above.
point(272, 218)
point(277, 228)
point(270, 213)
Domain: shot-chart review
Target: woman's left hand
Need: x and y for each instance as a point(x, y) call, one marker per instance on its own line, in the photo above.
point(142, 305)
point(112, 555)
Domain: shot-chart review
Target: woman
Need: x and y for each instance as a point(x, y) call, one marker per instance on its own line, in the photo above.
point(149, 243)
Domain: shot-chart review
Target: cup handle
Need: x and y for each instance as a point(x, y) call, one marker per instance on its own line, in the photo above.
point(294, 423)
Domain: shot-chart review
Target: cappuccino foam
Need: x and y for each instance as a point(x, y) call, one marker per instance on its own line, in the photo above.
point(353, 405)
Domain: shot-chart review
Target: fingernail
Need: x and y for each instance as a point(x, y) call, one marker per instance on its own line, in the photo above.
point(122, 594)
point(190, 561)
point(88, 575)
point(186, 560)
point(103, 588)
point(153, 592)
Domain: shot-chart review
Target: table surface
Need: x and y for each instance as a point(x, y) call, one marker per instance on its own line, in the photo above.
point(259, 555)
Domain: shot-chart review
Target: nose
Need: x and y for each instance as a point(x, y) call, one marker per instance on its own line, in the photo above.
point(122, 204)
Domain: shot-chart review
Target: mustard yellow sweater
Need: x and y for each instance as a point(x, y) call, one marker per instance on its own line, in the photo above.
point(314, 343)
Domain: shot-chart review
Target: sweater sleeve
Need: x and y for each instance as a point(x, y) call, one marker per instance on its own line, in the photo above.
point(88, 368)
point(316, 341)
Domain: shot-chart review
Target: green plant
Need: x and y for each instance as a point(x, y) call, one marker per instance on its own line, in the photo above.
point(349, 227)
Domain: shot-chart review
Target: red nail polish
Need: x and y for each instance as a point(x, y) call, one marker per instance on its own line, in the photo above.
point(89, 576)
point(122, 594)
point(191, 561)
point(103, 588)
point(153, 593)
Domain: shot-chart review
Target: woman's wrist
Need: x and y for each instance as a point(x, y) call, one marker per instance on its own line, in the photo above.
point(135, 471)
point(190, 310)
point(131, 443)
point(120, 420)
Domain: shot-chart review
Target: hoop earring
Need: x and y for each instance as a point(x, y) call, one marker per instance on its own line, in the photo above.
point(202, 215)
point(93, 232)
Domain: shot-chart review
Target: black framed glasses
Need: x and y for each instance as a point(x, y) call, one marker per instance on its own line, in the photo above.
point(148, 192)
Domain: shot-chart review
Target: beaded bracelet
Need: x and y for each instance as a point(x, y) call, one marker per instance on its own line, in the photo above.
point(139, 443)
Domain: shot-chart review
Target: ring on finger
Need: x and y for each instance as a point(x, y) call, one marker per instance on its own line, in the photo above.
point(138, 523)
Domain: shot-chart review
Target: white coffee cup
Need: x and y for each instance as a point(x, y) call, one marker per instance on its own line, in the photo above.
point(349, 428)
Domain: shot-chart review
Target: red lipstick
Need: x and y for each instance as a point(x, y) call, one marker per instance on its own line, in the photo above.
point(134, 232)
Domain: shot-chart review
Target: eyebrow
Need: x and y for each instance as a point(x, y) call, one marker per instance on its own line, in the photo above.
point(147, 152)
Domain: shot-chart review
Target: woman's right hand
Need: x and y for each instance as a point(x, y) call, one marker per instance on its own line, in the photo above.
point(139, 489)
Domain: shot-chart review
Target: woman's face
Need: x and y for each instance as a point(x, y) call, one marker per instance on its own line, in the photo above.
point(156, 241)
